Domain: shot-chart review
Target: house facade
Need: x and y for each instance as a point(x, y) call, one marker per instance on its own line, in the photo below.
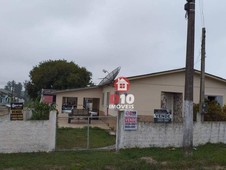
point(161, 90)
point(5, 96)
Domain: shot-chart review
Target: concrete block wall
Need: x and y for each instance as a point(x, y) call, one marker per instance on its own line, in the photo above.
point(209, 132)
point(28, 136)
point(169, 135)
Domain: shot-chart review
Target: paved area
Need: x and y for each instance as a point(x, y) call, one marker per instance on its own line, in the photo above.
point(79, 123)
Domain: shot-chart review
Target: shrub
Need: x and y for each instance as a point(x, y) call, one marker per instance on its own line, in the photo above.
point(41, 111)
point(214, 111)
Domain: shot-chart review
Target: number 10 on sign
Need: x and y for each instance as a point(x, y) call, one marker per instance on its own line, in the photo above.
point(122, 99)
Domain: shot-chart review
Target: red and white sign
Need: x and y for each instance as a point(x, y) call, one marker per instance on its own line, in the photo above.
point(121, 100)
point(122, 84)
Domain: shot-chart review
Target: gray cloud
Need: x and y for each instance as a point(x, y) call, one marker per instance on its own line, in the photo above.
point(140, 36)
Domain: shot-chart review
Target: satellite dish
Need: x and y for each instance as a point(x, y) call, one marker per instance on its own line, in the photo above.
point(110, 77)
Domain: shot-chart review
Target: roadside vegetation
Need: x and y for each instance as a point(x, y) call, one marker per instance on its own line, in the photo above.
point(208, 157)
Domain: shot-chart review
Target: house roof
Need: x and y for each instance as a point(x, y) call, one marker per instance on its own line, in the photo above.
point(174, 71)
point(3, 91)
point(147, 76)
point(76, 89)
point(48, 91)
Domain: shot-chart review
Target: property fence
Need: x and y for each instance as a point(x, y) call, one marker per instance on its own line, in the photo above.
point(103, 132)
point(168, 134)
point(27, 136)
point(85, 133)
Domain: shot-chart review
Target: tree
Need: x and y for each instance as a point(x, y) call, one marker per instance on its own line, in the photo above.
point(56, 74)
point(18, 90)
point(15, 88)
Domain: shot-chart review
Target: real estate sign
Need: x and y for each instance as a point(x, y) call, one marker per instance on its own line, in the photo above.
point(162, 116)
point(16, 111)
point(130, 120)
point(16, 106)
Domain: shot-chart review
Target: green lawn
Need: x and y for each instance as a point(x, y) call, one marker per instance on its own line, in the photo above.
point(208, 157)
point(74, 138)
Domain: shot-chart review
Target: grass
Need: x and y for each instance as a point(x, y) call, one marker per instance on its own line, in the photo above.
point(68, 138)
point(210, 156)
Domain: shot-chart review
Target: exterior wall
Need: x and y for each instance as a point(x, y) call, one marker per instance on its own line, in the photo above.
point(80, 94)
point(28, 136)
point(212, 87)
point(147, 91)
point(169, 135)
point(104, 107)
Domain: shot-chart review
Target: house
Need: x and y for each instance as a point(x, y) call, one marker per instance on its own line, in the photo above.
point(5, 96)
point(48, 96)
point(160, 90)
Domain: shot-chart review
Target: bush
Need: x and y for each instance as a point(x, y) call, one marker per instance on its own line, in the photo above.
point(41, 111)
point(214, 111)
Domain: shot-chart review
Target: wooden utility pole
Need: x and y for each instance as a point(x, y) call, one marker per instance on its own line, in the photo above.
point(202, 79)
point(189, 71)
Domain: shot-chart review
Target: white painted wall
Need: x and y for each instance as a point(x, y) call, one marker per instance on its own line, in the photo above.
point(169, 135)
point(28, 136)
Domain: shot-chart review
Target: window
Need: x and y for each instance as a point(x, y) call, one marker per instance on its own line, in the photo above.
point(91, 103)
point(218, 99)
point(108, 98)
point(68, 103)
point(103, 98)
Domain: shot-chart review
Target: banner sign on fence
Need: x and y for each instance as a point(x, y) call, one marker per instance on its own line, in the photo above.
point(162, 116)
point(130, 120)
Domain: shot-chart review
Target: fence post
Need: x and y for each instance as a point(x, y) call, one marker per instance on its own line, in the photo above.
point(52, 130)
point(118, 130)
point(88, 134)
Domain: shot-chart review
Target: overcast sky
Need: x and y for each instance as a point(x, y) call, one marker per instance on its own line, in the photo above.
point(141, 36)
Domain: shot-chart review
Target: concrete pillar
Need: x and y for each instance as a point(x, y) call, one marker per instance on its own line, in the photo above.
point(52, 130)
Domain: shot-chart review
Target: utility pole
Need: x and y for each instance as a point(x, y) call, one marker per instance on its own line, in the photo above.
point(189, 72)
point(202, 80)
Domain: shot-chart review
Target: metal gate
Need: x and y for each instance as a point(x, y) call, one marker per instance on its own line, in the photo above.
point(86, 133)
